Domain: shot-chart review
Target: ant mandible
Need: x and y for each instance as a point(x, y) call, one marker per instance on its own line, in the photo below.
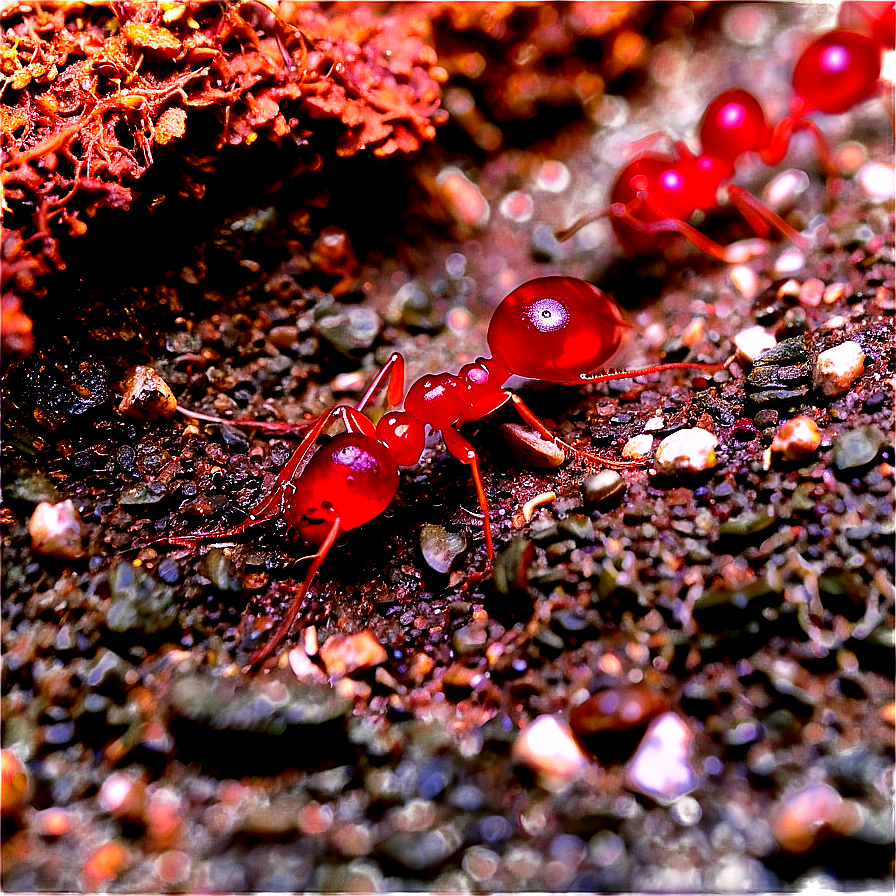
point(656, 194)
point(557, 329)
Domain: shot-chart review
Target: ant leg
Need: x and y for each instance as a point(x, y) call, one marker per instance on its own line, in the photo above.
point(617, 210)
point(286, 623)
point(466, 454)
point(782, 134)
point(394, 369)
point(656, 368)
point(651, 141)
point(545, 433)
point(759, 215)
point(284, 427)
point(273, 503)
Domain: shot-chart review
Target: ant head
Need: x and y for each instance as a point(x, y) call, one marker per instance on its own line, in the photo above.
point(836, 71)
point(733, 123)
point(555, 329)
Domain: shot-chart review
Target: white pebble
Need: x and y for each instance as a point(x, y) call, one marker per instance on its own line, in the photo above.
point(653, 424)
point(783, 189)
point(745, 281)
point(638, 448)
point(753, 341)
point(56, 530)
point(834, 323)
point(547, 746)
point(462, 198)
point(876, 179)
point(686, 451)
point(744, 250)
point(790, 261)
point(797, 438)
point(838, 368)
point(661, 767)
point(553, 177)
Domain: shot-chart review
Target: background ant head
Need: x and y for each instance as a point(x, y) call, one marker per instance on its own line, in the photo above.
point(555, 329)
point(836, 71)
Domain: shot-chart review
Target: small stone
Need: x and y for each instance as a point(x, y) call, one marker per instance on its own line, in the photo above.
point(877, 180)
point(462, 199)
point(811, 292)
point(789, 289)
point(53, 822)
point(146, 395)
point(440, 548)
point(745, 281)
point(752, 342)
point(833, 293)
point(804, 818)
point(789, 261)
point(638, 447)
point(603, 489)
point(352, 331)
point(546, 745)
point(302, 667)
point(857, 448)
point(745, 250)
point(686, 451)
point(138, 602)
point(104, 865)
point(797, 439)
point(123, 796)
point(661, 767)
point(834, 323)
point(838, 368)
point(345, 654)
point(530, 449)
point(616, 709)
point(694, 332)
point(56, 530)
point(654, 424)
point(14, 785)
point(780, 193)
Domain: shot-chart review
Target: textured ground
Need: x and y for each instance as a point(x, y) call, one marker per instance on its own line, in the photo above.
point(746, 611)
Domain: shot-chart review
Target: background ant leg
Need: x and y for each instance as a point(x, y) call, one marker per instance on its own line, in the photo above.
point(394, 369)
point(529, 417)
point(670, 225)
point(759, 215)
point(616, 210)
point(466, 454)
point(782, 134)
point(286, 623)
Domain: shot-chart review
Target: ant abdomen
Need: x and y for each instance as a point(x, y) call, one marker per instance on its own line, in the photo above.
point(555, 329)
point(352, 479)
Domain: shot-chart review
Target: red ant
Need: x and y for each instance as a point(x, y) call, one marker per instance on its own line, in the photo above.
point(553, 328)
point(655, 193)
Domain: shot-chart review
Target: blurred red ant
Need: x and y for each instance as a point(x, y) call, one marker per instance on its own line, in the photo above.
point(553, 328)
point(655, 193)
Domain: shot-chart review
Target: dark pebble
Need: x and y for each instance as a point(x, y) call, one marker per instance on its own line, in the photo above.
point(169, 571)
point(139, 602)
point(766, 418)
point(603, 489)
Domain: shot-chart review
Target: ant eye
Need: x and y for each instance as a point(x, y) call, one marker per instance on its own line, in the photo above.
point(834, 59)
point(547, 315)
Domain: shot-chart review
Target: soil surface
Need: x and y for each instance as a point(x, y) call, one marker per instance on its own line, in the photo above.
point(674, 679)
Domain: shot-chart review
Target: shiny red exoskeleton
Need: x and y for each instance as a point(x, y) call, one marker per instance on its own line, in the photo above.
point(656, 193)
point(557, 329)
